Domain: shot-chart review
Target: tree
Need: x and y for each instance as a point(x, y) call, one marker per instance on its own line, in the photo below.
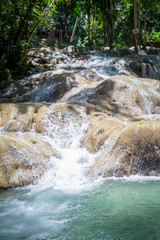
point(110, 30)
point(136, 25)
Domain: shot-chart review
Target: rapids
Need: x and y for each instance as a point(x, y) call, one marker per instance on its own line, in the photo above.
point(66, 203)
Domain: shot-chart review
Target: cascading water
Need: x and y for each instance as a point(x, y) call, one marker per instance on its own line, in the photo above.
point(66, 204)
point(64, 133)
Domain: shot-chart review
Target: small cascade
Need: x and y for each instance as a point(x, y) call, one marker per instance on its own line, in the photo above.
point(146, 98)
point(102, 65)
point(68, 170)
point(86, 165)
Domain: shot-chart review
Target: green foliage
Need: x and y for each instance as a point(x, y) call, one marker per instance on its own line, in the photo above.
point(93, 15)
point(4, 71)
point(20, 71)
point(24, 45)
point(153, 38)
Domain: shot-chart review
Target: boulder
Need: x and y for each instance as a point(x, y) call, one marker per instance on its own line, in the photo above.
point(142, 66)
point(48, 86)
point(18, 117)
point(113, 53)
point(90, 75)
point(135, 150)
point(100, 128)
point(41, 58)
point(23, 159)
point(126, 73)
point(126, 52)
point(126, 96)
point(153, 50)
point(61, 113)
point(116, 119)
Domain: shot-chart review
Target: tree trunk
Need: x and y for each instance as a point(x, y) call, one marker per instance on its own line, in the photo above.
point(37, 25)
point(110, 31)
point(12, 58)
point(139, 21)
point(139, 14)
point(66, 18)
point(105, 33)
point(24, 22)
point(74, 30)
point(145, 28)
point(135, 25)
point(89, 28)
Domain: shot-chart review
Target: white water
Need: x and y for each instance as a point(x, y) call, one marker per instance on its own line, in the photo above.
point(67, 172)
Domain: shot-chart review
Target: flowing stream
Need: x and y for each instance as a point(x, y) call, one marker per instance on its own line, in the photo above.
point(67, 205)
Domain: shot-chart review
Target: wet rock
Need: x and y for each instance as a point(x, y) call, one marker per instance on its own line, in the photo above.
point(126, 52)
point(134, 150)
point(41, 58)
point(124, 95)
point(71, 49)
point(142, 52)
point(23, 159)
point(48, 86)
point(142, 67)
point(122, 114)
point(152, 50)
point(126, 73)
point(90, 75)
point(123, 144)
point(101, 128)
point(15, 118)
point(49, 115)
point(113, 53)
point(19, 117)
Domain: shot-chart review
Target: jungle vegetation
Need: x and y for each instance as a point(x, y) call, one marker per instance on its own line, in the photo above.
point(109, 23)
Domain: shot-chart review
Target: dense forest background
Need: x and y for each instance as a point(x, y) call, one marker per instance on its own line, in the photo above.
point(109, 23)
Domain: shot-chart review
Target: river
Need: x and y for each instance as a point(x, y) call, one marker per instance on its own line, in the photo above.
point(68, 205)
point(113, 210)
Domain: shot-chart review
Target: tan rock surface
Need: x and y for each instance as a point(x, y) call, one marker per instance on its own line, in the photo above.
point(23, 158)
point(52, 114)
point(18, 117)
point(127, 96)
point(100, 128)
point(134, 150)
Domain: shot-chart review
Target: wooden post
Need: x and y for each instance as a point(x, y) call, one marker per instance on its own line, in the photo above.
point(74, 30)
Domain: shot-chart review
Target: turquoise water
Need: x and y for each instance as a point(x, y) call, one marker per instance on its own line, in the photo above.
point(116, 209)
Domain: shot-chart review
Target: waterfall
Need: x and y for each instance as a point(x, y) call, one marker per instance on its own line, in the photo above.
point(64, 132)
point(81, 139)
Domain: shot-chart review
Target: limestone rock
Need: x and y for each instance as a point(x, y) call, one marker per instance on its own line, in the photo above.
point(48, 116)
point(17, 117)
point(90, 75)
point(141, 66)
point(48, 86)
point(135, 150)
point(23, 159)
point(127, 96)
point(100, 128)
point(41, 58)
